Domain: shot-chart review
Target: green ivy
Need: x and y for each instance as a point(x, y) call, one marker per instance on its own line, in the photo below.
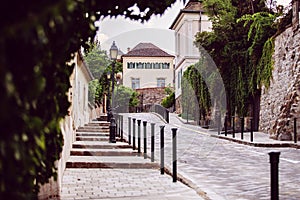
point(38, 39)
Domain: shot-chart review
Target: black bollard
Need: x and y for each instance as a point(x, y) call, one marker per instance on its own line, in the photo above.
point(139, 136)
point(274, 160)
point(133, 134)
point(174, 141)
point(295, 130)
point(121, 128)
point(112, 130)
point(219, 123)
point(152, 141)
point(251, 130)
point(145, 138)
point(162, 152)
point(242, 128)
point(225, 125)
point(129, 130)
point(233, 128)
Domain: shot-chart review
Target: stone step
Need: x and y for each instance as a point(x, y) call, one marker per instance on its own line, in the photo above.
point(100, 145)
point(120, 162)
point(92, 138)
point(98, 123)
point(91, 134)
point(103, 152)
point(83, 129)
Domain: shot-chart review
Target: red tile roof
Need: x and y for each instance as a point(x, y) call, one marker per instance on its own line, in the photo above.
point(146, 50)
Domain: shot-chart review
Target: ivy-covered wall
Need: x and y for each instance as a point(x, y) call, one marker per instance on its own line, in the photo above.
point(279, 104)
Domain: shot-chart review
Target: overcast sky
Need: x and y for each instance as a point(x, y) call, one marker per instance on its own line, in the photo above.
point(129, 33)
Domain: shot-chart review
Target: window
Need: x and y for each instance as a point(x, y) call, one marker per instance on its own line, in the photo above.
point(161, 82)
point(148, 66)
point(130, 65)
point(156, 66)
point(179, 78)
point(140, 65)
point(166, 66)
point(135, 83)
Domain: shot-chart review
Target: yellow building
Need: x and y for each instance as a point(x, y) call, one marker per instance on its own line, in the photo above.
point(147, 66)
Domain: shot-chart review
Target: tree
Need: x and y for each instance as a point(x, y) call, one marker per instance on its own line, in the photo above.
point(98, 62)
point(240, 46)
point(38, 41)
point(125, 97)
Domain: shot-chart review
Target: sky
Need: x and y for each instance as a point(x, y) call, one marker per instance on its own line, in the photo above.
point(127, 33)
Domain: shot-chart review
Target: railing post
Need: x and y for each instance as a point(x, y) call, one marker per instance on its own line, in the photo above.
point(129, 130)
point(225, 125)
point(112, 130)
point(274, 160)
point(295, 130)
point(168, 116)
point(219, 122)
point(139, 136)
point(121, 128)
point(233, 126)
point(133, 134)
point(145, 138)
point(162, 153)
point(174, 141)
point(251, 130)
point(152, 141)
point(242, 128)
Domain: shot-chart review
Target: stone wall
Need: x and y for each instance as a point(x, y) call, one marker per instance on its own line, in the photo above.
point(280, 103)
point(151, 95)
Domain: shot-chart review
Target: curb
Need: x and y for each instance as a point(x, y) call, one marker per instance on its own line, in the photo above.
point(255, 144)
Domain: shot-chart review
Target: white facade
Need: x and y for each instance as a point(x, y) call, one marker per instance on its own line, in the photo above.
point(80, 88)
point(149, 76)
point(187, 24)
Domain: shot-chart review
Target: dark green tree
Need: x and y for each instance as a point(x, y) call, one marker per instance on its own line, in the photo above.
point(240, 45)
point(38, 40)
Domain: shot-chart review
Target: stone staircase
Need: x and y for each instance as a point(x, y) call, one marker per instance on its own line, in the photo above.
point(93, 150)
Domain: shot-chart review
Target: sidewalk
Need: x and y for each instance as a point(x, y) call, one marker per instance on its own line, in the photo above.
point(98, 169)
point(259, 139)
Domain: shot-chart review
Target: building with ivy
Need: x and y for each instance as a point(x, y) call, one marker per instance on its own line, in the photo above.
point(189, 21)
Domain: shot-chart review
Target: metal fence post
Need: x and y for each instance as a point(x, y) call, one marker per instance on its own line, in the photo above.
point(174, 141)
point(225, 125)
point(121, 128)
point(242, 128)
point(129, 130)
point(251, 130)
point(295, 130)
point(145, 138)
point(152, 141)
point(139, 136)
point(162, 153)
point(133, 134)
point(274, 160)
point(233, 126)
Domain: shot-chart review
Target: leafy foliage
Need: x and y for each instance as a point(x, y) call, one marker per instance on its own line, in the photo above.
point(38, 41)
point(169, 100)
point(241, 47)
point(125, 97)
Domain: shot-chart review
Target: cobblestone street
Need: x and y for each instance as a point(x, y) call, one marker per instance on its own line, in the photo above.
point(221, 168)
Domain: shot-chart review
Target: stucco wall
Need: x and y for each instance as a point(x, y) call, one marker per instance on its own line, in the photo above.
point(148, 77)
point(279, 104)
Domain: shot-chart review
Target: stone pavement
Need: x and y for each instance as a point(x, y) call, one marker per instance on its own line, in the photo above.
point(98, 169)
point(225, 169)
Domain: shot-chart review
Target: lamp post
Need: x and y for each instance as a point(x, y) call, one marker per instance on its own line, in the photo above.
point(112, 129)
point(108, 96)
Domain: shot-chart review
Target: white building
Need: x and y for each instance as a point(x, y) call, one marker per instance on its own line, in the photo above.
point(147, 66)
point(186, 25)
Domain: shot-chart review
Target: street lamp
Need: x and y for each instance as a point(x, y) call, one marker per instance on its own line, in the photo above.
point(112, 128)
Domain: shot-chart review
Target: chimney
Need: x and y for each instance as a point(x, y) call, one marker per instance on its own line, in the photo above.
point(128, 49)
